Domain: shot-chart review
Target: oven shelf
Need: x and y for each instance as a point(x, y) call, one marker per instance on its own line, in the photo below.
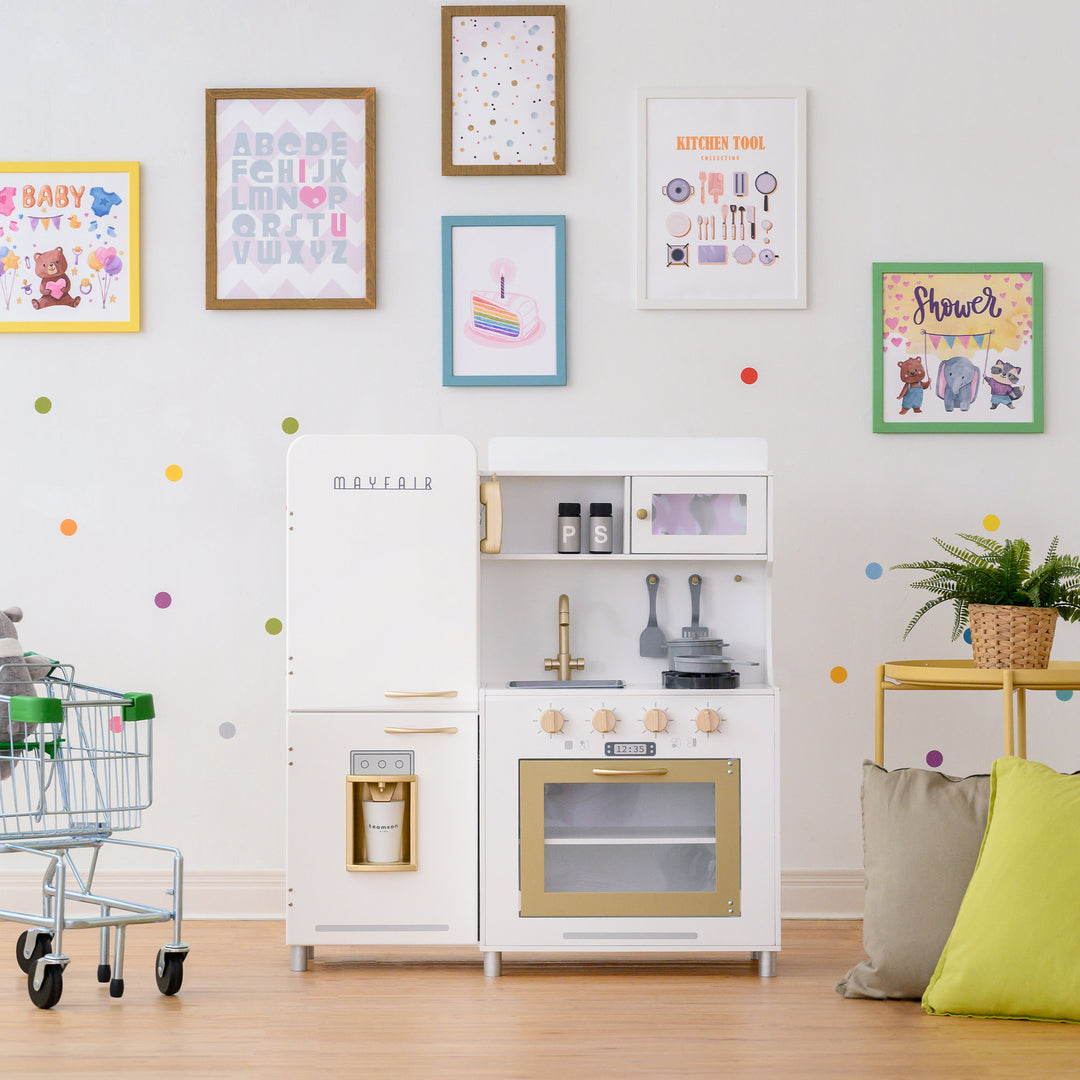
point(629, 834)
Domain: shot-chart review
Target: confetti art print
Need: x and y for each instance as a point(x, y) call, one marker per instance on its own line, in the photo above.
point(503, 96)
point(290, 198)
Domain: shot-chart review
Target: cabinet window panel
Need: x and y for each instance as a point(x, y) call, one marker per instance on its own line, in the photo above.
point(648, 810)
point(630, 868)
point(699, 514)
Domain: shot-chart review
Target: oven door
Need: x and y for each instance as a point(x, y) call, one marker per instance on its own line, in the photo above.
point(603, 838)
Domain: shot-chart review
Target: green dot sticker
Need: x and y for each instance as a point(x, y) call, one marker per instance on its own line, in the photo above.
point(43, 405)
point(290, 425)
point(273, 626)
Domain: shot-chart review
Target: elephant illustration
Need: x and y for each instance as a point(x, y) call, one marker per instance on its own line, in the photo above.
point(957, 383)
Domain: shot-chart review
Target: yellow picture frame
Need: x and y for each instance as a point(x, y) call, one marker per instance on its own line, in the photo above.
point(91, 210)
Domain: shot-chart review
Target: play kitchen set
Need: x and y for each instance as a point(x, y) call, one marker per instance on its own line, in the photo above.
point(738, 220)
point(484, 745)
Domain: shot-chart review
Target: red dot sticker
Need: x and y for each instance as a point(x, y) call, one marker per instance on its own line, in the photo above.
point(748, 375)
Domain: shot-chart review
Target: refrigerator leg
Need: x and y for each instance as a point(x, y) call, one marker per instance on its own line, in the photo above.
point(493, 964)
point(767, 964)
point(299, 955)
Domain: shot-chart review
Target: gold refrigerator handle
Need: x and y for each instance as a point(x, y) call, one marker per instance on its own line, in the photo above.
point(629, 772)
point(420, 730)
point(419, 693)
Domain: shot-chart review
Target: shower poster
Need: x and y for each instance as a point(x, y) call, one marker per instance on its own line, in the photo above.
point(958, 347)
point(69, 246)
point(290, 198)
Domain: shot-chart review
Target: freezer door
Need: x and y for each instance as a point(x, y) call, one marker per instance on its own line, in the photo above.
point(382, 573)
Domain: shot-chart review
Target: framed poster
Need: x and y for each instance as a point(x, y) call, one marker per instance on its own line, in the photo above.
point(69, 246)
point(290, 198)
point(957, 347)
point(721, 199)
point(504, 301)
point(503, 90)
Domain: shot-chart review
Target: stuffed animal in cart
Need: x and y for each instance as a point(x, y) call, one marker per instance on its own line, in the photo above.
point(17, 676)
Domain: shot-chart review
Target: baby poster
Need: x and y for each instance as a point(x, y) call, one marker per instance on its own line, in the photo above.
point(290, 191)
point(69, 246)
point(958, 347)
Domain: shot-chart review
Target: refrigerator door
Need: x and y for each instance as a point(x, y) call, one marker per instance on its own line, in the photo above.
point(335, 897)
point(382, 585)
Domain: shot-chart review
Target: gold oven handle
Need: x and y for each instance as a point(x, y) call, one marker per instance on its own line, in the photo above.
point(419, 693)
point(629, 772)
point(420, 730)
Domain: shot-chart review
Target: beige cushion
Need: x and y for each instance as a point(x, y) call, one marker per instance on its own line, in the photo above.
point(921, 836)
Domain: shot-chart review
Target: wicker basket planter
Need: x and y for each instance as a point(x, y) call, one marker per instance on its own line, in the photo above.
point(1004, 636)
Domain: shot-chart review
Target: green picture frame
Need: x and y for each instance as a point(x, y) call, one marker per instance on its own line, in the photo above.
point(957, 347)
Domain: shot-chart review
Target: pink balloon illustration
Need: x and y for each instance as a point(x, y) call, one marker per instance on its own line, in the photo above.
point(107, 264)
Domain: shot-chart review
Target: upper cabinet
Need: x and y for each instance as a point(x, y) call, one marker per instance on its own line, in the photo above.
point(382, 578)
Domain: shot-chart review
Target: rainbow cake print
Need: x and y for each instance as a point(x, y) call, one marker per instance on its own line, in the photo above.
point(501, 318)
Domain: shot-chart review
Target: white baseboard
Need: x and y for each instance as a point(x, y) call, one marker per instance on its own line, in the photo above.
point(260, 894)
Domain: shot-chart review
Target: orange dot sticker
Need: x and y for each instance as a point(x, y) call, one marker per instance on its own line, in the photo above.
point(68, 527)
point(173, 472)
point(838, 674)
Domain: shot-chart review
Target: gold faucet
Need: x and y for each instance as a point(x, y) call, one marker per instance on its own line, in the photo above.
point(563, 662)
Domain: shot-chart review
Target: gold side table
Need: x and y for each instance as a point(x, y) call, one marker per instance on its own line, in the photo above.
point(964, 675)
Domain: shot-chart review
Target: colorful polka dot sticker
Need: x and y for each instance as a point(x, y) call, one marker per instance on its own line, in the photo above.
point(838, 674)
point(934, 758)
point(116, 725)
point(163, 600)
point(991, 523)
point(227, 730)
point(749, 375)
point(173, 472)
point(967, 635)
point(290, 425)
point(68, 527)
point(43, 405)
point(874, 570)
point(273, 626)
point(1063, 695)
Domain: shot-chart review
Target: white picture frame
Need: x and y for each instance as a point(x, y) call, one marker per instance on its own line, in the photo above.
point(701, 152)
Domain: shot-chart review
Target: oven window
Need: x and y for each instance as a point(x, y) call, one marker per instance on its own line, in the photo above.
point(703, 514)
point(629, 837)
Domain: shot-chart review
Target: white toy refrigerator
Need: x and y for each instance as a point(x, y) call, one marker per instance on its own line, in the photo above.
point(382, 692)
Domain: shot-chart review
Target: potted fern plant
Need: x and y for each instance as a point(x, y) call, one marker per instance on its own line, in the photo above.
point(1012, 609)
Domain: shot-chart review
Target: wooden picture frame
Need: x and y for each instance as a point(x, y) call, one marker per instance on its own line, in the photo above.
point(69, 246)
point(957, 347)
point(504, 301)
point(504, 90)
point(290, 198)
point(707, 155)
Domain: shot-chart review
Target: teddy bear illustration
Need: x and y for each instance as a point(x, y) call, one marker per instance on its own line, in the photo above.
point(51, 267)
point(913, 376)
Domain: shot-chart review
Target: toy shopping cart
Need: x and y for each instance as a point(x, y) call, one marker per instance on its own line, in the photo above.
point(75, 767)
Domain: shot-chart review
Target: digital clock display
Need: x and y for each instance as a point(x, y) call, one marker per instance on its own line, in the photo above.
point(630, 749)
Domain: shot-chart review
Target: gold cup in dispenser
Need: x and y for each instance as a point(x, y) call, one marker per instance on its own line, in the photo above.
point(380, 822)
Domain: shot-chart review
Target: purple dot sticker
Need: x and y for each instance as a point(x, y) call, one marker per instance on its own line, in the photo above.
point(163, 599)
point(934, 759)
point(227, 730)
point(873, 570)
point(1063, 695)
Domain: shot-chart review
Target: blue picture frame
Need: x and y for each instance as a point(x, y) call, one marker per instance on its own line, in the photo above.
point(504, 300)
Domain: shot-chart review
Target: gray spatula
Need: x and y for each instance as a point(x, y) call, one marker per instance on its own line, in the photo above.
point(694, 632)
point(653, 641)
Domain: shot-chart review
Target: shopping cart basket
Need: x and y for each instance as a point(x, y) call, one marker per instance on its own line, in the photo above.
point(76, 767)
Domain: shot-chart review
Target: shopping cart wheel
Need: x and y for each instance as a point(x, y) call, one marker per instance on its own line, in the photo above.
point(170, 972)
point(52, 986)
point(42, 945)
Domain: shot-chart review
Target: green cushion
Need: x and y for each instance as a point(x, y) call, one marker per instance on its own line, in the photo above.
point(1014, 950)
point(921, 837)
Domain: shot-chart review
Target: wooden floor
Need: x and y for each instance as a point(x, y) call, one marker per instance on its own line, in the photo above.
point(401, 1013)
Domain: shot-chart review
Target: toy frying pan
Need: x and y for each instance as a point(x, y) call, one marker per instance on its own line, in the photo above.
point(766, 184)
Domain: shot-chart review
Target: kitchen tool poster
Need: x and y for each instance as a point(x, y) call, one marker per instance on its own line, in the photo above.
point(722, 178)
point(957, 347)
point(290, 198)
point(69, 246)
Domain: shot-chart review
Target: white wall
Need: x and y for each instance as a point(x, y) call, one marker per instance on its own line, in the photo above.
point(937, 131)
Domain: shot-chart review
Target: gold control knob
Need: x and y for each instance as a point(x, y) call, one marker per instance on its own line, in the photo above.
point(552, 721)
point(708, 720)
point(603, 720)
point(656, 720)
point(642, 514)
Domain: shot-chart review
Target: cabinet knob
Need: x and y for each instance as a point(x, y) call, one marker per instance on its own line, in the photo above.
point(552, 721)
point(708, 720)
point(603, 720)
point(656, 720)
point(642, 514)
